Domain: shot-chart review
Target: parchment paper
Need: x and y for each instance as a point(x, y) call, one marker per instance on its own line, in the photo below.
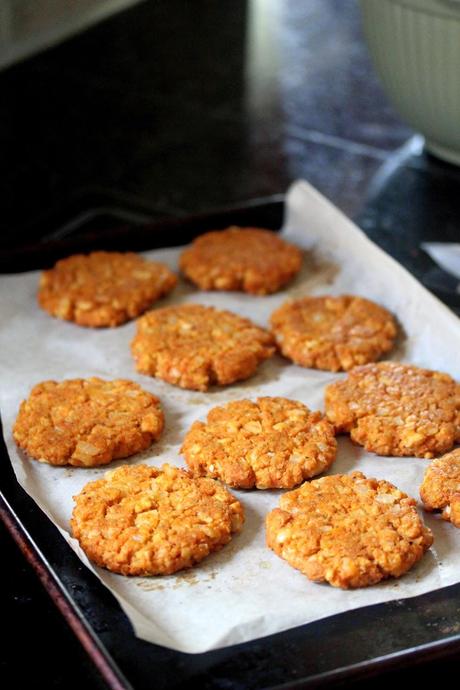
point(244, 591)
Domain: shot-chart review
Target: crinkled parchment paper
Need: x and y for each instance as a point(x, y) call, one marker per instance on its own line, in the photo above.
point(244, 591)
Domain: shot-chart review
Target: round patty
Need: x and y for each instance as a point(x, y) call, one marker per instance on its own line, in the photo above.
point(396, 409)
point(103, 288)
point(87, 422)
point(333, 333)
point(193, 346)
point(251, 260)
point(348, 530)
point(271, 443)
point(140, 520)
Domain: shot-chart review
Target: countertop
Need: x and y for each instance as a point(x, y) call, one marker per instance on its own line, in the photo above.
point(171, 108)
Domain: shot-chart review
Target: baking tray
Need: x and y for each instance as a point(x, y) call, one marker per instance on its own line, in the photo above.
point(355, 645)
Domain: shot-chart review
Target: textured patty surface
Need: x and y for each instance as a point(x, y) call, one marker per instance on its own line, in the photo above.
point(348, 530)
point(253, 260)
point(193, 346)
point(268, 443)
point(87, 422)
point(440, 489)
point(103, 288)
point(397, 409)
point(140, 520)
point(333, 333)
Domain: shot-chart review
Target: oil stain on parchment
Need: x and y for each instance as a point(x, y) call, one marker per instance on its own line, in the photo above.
point(316, 272)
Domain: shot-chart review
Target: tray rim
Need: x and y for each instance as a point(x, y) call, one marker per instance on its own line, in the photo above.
point(62, 598)
point(116, 680)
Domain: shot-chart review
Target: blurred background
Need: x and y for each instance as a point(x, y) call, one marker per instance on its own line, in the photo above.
point(176, 107)
point(27, 26)
point(119, 111)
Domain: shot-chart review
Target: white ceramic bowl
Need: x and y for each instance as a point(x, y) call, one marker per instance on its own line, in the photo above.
point(415, 45)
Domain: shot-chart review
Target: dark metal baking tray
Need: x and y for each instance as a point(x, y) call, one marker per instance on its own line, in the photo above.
point(354, 645)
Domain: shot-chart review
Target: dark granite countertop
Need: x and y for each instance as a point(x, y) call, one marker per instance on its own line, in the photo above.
point(176, 107)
